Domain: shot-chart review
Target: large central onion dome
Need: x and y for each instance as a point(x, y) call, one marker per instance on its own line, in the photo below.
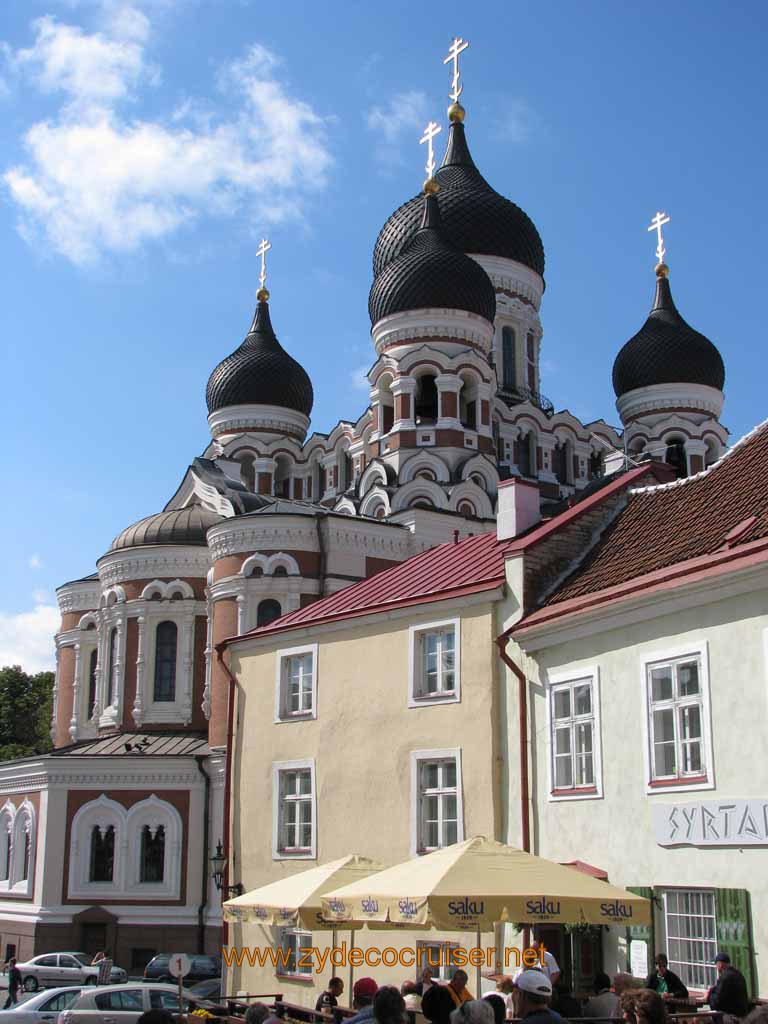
point(666, 350)
point(476, 218)
point(260, 372)
point(431, 273)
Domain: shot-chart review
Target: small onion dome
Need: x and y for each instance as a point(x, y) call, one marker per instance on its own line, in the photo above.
point(475, 217)
point(666, 350)
point(175, 526)
point(431, 274)
point(260, 372)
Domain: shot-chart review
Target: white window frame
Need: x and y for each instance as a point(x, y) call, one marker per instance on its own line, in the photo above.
point(665, 893)
point(589, 673)
point(417, 697)
point(418, 757)
point(286, 766)
point(24, 824)
point(281, 665)
point(304, 942)
point(444, 971)
point(695, 650)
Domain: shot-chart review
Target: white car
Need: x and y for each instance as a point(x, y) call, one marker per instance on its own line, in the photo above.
point(51, 969)
point(124, 1004)
point(45, 1006)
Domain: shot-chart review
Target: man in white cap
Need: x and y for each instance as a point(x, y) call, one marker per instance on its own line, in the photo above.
point(533, 991)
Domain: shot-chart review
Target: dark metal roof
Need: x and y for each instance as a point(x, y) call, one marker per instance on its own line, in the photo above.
point(139, 744)
point(260, 372)
point(176, 526)
point(475, 217)
point(431, 273)
point(666, 350)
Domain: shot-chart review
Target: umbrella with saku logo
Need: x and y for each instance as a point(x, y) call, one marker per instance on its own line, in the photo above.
point(478, 883)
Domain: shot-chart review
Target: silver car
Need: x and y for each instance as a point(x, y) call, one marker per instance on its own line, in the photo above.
point(51, 969)
point(43, 1007)
point(124, 1004)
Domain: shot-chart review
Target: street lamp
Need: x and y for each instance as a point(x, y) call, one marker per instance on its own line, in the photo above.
point(218, 866)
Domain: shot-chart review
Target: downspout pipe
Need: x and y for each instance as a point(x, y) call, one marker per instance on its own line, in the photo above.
point(220, 649)
point(206, 848)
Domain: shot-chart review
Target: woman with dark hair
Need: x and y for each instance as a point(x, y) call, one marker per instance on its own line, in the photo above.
point(437, 1004)
point(388, 1006)
point(643, 1006)
point(498, 1006)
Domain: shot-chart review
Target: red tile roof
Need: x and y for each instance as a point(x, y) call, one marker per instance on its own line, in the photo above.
point(672, 523)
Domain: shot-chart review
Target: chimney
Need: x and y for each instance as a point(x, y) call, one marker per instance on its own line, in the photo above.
point(519, 507)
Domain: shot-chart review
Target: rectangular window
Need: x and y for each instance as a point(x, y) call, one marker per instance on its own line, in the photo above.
point(290, 956)
point(438, 956)
point(435, 663)
point(295, 809)
point(573, 711)
point(509, 372)
point(676, 720)
point(437, 796)
point(296, 683)
point(691, 930)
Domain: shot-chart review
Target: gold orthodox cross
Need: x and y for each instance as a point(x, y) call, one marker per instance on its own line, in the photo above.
point(264, 247)
point(656, 225)
point(457, 46)
point(432, 129)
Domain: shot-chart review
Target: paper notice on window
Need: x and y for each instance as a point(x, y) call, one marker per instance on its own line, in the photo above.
point(638, 958)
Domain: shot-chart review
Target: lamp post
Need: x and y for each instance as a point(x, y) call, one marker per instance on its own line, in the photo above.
point(218, 867)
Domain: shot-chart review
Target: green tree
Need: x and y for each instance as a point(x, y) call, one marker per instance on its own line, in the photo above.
point(25, 712)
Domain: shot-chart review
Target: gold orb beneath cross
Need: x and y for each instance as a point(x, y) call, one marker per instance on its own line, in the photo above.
point(262, 295)
point(456, 112)
point(431, 185)
point(662, 270)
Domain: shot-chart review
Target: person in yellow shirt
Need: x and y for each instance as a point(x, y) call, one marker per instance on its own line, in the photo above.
point(457, 988)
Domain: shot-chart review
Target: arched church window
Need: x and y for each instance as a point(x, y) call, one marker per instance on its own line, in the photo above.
point(27, 852)
point(268, 611)
point(509, 370)
point(280, 570)
point(530, 351)
point(152, 864)
point(92, 665)
point(6, 824)
point(112, 667)
point(560, 462)
point(426, 399)
point(675, 455)
point(466, 509)
point(524, 459)
point(166, 642)
point(256, 571)
point(425, 474)
point(102, 864)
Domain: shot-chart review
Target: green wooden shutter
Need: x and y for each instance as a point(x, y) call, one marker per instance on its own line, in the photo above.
point(642, 932)
point(734, 931)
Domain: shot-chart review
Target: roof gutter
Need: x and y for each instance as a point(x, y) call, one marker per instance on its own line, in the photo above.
point(501, 643)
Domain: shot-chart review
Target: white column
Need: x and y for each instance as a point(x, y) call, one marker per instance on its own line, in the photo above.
point(448, 383)
point(188, 658)
point(56, 684)
point(404, 386)
point(208, 655)
point(141, 661)
point(75, 694)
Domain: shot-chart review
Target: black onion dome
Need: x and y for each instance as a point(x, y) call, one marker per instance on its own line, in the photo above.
point(175, 526)
point(260, 372)
point(666, 350)
point(431, 274)
point(475, 217)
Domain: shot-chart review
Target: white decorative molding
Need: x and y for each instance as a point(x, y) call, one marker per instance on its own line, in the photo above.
point(670, 396)
point(454, 324)
point(154, 562)
point(275, 531)
point(271, 418)
point(512, 276)
point(166, 591)
point(80, 596)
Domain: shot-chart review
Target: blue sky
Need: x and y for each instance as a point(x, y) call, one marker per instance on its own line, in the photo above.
point(146, 146)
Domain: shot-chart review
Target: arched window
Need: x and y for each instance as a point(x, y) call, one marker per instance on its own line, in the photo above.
point(280, 570)
point(92, 664)
point(509, 370)
point(102, 865)
point(560, 462)
point(466, 509)
point(6, 827)
point(247, 471)
point(268, 611)
point(152, 863)
point(27, 851)
point(166, 640)
point(256, 571)
point(426, 400)
point(675, 455)
point(112, 667)
point(524, 460)
point(530, 351)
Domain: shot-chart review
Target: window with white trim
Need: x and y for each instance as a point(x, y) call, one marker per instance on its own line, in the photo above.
point(435, 662)
point(296, 683)
point(676, 720)
point(691, 935)
point(438, 803)
point(291, 943)
point(572, 722)
point(295, 811)
point(438, 957)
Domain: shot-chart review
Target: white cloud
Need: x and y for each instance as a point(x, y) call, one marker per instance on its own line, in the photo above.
point(517, 121)
point(95, 182)
point(405, 114)
point(359, 378)
point(26, 639)
point(35, 562)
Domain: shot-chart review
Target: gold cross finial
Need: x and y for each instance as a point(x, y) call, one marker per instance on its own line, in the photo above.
point(457, 46)
point(432, 129)
point(264, 246)
point(656, 225)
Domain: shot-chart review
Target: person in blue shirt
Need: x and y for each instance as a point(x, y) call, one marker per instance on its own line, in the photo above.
point(533, 990)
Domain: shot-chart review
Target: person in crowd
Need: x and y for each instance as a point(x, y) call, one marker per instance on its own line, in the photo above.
point(505, 985)
point(496, 1001)
point(563, 1000)
point(388, 1006)
point(97, 958)
point(473, 1011)
point(330, 998)
point(259, 1013)
point(603, 1003)
point(363, 993)
point(409, 992)
point(425, 981)
point(623, 981)
point(14, 983)
point(643, 1006)
point(545, 962)
point(533, 992)
point(729, 993)
point(457, 988)
point(437, 1004)
point(664, 981)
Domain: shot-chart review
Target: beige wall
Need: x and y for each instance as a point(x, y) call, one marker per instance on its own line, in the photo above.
point(361, 742)
point(616, 832)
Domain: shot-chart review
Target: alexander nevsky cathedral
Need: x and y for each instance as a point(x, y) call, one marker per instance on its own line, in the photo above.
point(109, 838)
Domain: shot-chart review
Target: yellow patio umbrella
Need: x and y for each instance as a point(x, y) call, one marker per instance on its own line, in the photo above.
point(478, 883)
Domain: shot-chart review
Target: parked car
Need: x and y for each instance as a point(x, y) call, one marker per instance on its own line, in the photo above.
point(124, 1004)
point(203, 968)
point(45, 1006)
point(210, 989)
point(51, 969)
